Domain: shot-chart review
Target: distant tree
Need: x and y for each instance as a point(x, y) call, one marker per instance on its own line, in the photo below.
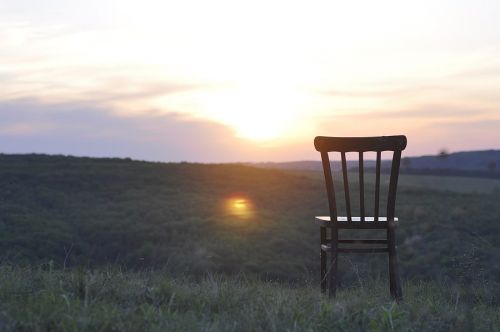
point(492, 165)
point(443, 154)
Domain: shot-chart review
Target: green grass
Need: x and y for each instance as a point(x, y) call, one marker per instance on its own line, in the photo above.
point(142, 215)
point(188, 264)
point(41, 299)
point(455, 184)
point(452, 183)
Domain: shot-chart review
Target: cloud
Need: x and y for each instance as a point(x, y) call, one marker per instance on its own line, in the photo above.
point(463, 135)
point(479, 72)
point(28, 126)
point(389, 91)
point(134, 90)
point(428, 128)
point(431, 111)
point(31, 126)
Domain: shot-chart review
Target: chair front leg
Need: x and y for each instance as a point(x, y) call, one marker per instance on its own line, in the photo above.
point(332, 287)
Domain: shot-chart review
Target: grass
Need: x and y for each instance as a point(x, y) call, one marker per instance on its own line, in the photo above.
point(455, 184)
point(94, 212)
point(188, 264)
point(41, 299)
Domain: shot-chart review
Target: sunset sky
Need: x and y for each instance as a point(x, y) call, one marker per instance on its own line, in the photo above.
point(220, 81)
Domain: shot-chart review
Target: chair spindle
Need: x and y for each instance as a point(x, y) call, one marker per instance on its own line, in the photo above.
point(346, 188)
point(332, 202)
point(377, 186)
point(361, 187)
point(393, 184)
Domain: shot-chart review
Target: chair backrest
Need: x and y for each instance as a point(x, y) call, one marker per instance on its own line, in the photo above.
point(396, 144)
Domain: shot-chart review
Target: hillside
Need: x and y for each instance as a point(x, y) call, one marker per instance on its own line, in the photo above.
point(469, 163)
point(95, 212)
point(488, 160)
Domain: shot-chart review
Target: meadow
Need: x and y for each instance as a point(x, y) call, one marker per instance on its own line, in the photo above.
point(105, 243)
point(44, 299)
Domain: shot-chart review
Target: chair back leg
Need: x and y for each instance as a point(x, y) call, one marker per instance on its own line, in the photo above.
point(323, 271)
point(322, 258)
point(394, 278)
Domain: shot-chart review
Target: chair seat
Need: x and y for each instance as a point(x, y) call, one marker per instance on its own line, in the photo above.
point(342, 222)
point(328, 248)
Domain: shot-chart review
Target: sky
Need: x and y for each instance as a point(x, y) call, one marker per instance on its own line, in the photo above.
point(226, 81)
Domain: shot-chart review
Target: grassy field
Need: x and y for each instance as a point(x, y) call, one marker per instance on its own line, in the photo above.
point(42, 299)
point(93, 212)
point(65, 221)
point(455, 184)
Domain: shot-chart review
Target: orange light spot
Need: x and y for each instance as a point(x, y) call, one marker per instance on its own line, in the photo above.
point(239, 207)
point(240, 204)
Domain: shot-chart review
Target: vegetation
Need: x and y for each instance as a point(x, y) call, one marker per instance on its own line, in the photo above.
point(116, 244)
point(38, 299)
point(477, 164)
point(94, 212)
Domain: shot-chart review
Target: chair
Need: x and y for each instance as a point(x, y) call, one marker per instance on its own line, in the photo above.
point(334, 222)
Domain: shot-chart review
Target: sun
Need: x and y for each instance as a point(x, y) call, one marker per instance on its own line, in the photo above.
point(257, 112)
point(259, 84)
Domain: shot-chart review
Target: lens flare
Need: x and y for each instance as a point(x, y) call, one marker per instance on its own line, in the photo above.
point(239, 207)
point(240, 204)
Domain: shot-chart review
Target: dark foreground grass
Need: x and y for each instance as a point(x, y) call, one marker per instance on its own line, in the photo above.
point(42, 299)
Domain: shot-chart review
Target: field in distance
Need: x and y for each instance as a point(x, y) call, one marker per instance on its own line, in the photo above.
point(182, 216)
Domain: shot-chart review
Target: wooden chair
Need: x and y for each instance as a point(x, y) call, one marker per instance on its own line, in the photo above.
point(396, 144)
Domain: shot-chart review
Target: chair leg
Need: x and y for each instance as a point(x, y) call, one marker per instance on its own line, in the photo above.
point(394, 278)
point(322, 258)
point(323, 271)
point(332, 287)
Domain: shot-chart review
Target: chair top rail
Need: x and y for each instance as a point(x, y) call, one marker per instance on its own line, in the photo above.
point(360, 144)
